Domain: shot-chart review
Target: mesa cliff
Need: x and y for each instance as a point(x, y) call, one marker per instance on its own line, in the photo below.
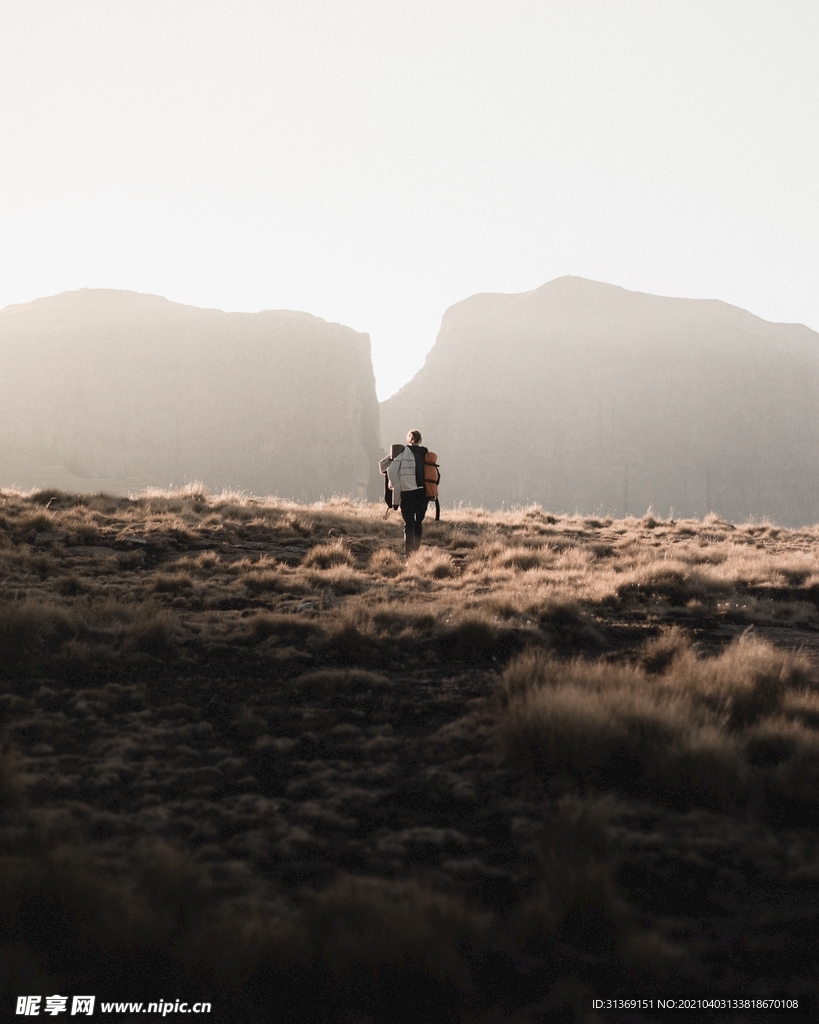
point(587, 397)
point(104, 389)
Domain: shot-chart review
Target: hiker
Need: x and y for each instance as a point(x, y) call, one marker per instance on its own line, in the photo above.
point(404, 473)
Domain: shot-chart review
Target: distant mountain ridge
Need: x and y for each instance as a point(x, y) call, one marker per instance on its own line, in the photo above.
point(116, 389)
point(578, 395)
point(588, 397)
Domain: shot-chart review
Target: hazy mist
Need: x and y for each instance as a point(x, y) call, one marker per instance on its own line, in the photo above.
point(372, 162)
point(586, 397)
point(125, 391)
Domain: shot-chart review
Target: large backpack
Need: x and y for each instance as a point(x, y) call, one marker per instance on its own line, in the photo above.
point(427, 474)
point(432, 477)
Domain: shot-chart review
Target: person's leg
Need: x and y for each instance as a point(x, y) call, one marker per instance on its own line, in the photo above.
point(420, 512)
point(408, 515)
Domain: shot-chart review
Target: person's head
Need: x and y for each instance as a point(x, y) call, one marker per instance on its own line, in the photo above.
point(414, 437)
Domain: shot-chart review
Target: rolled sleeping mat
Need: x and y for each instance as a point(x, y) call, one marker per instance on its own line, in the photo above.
point(432, 477)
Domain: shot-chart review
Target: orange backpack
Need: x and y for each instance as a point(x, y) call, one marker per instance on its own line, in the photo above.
point(432, 477)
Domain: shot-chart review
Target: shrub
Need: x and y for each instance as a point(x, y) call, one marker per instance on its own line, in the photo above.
point(291, 524)
point(30, 628)
point(574, 920)
point(477, 641)
point(748, 681)
point(123, 626)
point(151, 631)
point(28, 526)
point(172, 583)
point(325, 556)
point(203, 564)
point(388, 950)
point(672, 726)
point(262, 581)
point(568, 628)
point(330, 681)
point(657, 655)
point(676, 584)
point(349, 641)
point(69, 585)
point(386, 562)
point(430, 562)
point(341, 578)
point(50, 496)
point(289, 629)
point(525, 557)
point(398, 621)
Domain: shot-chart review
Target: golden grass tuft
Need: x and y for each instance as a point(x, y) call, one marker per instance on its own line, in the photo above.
point(670, 723)
point(658, 653)
point(386, 562)
point(341, 579)
point(431, 564)
point(329, 554)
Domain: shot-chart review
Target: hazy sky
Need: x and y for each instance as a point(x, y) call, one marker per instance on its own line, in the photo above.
point(375, 161)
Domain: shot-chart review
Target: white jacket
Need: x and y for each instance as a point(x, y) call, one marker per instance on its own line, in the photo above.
point(401, 474)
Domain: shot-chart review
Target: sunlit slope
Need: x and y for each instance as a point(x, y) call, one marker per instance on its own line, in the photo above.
point(585, 396)
point(116, 389)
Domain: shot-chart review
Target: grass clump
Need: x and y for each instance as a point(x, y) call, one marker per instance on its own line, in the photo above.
point(428, 562)
point(476, 640)
point(172, 583)
point(386, 562)
point(330, 681)
point(342, 579)
point(31, 629)
point(328, 555)
point(390, 950)
point(265, 577)
point(695, 731)
point(287, 630)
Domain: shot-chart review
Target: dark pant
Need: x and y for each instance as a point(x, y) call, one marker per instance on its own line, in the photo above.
point(413, 510)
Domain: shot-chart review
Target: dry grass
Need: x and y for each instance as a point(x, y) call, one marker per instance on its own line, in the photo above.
point(691, 731)
point(252, 749)
point(429, 563)
point(326, 556)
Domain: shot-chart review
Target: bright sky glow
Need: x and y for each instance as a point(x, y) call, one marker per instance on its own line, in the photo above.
point(375, 161)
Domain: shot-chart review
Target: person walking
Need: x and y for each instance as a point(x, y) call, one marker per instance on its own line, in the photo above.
point(406, 476)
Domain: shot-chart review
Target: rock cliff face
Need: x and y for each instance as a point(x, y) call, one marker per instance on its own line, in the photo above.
point(116, 389)
point(587, 397)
